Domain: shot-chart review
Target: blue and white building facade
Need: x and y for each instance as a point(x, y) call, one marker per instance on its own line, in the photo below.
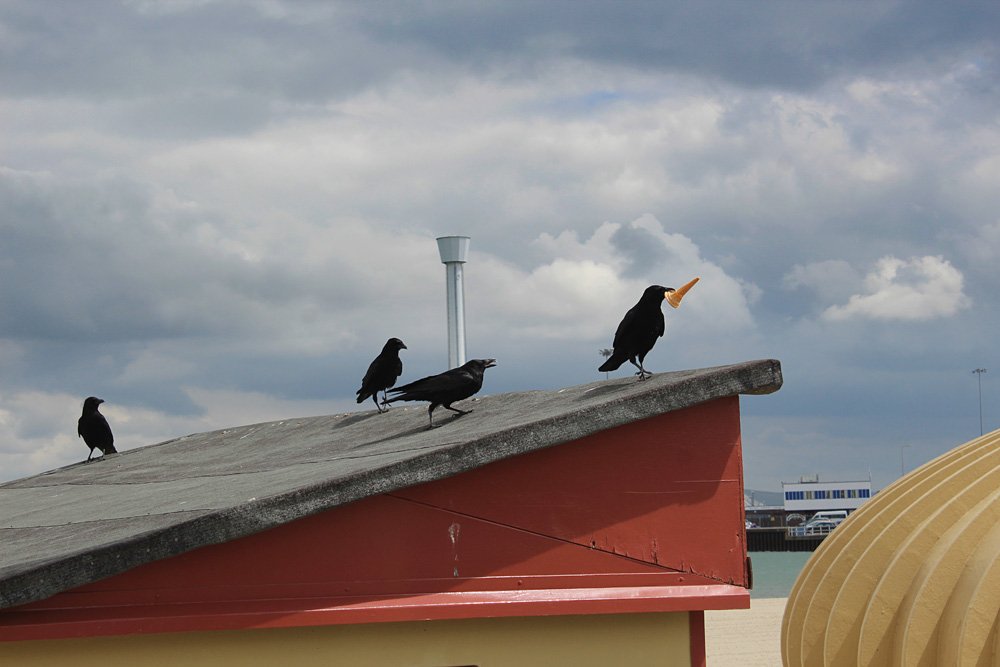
point(813, 495)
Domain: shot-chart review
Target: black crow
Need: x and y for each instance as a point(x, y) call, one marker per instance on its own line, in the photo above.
point(94, 429)
point(382, 372)
point(641, 326)
point(445, 388)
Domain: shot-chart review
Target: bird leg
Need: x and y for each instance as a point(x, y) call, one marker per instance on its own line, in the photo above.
point(460, 412)
point(643, 373)
point(375, 401)
point(430, 413)
point(90, 457)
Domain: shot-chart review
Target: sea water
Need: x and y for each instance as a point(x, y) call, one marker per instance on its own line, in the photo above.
point(774, 572)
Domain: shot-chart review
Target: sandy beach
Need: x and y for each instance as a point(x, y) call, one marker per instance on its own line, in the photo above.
point(745, 637)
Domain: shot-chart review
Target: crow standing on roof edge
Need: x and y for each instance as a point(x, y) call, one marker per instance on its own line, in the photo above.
point(94, 429)
point(382, 372)
point(445, 388)
point(641, 326)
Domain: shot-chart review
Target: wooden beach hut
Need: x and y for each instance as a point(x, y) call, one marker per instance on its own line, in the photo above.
point(590, 525)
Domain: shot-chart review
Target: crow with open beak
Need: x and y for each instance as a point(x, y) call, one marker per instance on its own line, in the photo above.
point(445, 388)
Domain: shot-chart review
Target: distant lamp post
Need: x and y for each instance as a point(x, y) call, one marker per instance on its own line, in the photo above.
point(902, 469)
point(606, 352)
point(979, 376)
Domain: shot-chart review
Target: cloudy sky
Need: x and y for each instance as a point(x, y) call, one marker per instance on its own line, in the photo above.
point(215, 212)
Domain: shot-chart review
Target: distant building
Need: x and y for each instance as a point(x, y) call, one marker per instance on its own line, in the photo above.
point(812, 495)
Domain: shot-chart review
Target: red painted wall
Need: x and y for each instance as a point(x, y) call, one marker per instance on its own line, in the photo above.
point(644, 517)
point(666, 491)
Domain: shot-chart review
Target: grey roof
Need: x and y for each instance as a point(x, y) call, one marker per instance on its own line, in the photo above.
point(87, 521)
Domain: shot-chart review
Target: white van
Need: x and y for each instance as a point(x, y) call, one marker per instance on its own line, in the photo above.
point(830, 515)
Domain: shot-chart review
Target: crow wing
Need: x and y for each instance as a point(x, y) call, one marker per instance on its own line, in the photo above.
point(639, 322)
point(451, 385)
point(382, 374)
point(96, 432)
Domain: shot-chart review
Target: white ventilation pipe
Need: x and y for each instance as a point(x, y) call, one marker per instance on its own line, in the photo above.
point(453, 251)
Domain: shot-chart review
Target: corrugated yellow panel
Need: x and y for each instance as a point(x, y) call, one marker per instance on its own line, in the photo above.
point(912, 578)
point(918, 631)
point(944, 505)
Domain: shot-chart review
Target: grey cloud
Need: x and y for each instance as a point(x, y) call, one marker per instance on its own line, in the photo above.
point(186, 71)
point(121, 50)
point(92, 261)
point(644, 251)
point(794, 45)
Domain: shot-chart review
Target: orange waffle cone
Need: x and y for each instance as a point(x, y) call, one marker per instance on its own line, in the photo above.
point(674, 298)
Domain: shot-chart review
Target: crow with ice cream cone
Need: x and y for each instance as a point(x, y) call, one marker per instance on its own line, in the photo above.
point(641, 326)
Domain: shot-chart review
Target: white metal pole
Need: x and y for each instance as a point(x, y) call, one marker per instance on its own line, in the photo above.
point(453, 251)
point(456, 315)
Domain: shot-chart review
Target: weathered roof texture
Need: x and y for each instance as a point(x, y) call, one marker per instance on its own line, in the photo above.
point(85, 522)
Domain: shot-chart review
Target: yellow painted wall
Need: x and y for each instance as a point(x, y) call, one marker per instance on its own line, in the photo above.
point(622, 639)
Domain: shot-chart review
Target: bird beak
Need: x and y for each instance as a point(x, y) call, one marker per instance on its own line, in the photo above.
point(490, 363)
point(402, 346)
point(673, 297)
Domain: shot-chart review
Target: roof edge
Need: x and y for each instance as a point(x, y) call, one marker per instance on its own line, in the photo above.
point(689, 389)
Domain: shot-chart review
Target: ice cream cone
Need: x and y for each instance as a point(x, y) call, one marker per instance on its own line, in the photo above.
point(674, 298)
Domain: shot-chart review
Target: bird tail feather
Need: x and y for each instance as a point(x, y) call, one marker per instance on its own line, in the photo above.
point(613, 363)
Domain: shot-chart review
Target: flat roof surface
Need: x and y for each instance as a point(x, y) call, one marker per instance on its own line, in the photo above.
point(78, 524)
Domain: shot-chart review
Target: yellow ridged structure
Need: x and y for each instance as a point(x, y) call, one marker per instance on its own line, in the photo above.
point(912, 578)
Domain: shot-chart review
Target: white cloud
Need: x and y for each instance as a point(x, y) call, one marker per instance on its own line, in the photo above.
point(38, 430)
point(584, 287)
point(920, 288)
